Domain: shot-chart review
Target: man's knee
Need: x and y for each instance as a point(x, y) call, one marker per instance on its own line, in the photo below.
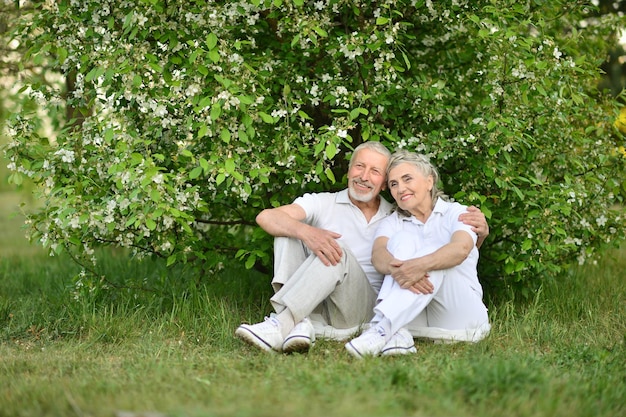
point(283, 242)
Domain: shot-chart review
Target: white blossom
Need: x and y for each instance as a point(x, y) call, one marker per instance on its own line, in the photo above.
point(66, 155)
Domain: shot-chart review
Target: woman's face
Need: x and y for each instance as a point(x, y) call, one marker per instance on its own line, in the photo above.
point(410, 188)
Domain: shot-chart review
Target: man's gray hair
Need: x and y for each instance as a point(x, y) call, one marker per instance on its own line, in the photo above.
point(372, 146)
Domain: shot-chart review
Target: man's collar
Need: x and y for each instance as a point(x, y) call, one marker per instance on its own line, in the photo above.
point(343, 197)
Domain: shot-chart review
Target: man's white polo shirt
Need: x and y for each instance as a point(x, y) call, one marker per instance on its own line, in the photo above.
point(335, 212)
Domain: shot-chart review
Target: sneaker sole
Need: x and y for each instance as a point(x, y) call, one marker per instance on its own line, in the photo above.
point(297, 344)
point(354, 352)
point(251, 338)
point(396, 350)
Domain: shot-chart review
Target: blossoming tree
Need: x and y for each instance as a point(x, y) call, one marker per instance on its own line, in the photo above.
point(187, 118)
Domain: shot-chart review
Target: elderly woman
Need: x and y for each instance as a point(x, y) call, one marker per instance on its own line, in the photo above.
point(429, 260)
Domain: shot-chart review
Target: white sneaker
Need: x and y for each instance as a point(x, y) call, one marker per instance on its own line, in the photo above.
point(301, 338)
point(265, 335)
point(401, 343)
point(370, 343)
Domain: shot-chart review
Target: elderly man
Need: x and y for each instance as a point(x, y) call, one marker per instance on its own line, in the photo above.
point(324, 279)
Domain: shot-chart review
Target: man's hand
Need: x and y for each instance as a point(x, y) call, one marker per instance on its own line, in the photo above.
point(475, 218)
point(323, 243)
point(288, 221)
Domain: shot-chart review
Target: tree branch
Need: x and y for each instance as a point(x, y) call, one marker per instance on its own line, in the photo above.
point(226, 222)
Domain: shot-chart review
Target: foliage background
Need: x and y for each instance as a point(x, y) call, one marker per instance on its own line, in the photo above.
point(172, 124)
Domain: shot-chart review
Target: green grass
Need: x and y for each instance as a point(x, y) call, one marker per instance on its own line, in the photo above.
point(161, 340)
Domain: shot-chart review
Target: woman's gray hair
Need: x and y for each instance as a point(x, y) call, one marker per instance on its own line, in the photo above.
point(422, 164)
point(372, 146)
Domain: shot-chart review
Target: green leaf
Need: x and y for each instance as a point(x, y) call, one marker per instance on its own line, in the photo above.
point(131, 221)
point(295, 40)
point(211, 40)
point(150, 224)
point(216, 111)
point(156, 67)
point(250, 261)
point(319, 148)
point(136, 158)
point(237, 175)
point(331, 150)
point(195, 173)
point(382, 21)
point(193, 56)
point(225, 135)
point(354, 113)
point(223, 80)
point(229, 165)
point(303, 115)
point(266, 117)
point(202, 70)
point(108, 135)
point(94, 74)
point(330, 175)
point(137, 80)
point(214, 55)
point(61, 55)
point(205, 102)
point(406, 60)
point(127, 20)
point(245, 99)
point(205, 165)
point(541, 90)
point(155, 195)
point(320, 31)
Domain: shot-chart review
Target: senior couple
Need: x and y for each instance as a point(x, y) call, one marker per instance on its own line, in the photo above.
point(350, 261)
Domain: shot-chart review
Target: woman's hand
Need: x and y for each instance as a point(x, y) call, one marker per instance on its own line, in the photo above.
point(411, 275)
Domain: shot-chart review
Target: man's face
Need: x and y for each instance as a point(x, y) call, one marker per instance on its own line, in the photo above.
point(366, 177)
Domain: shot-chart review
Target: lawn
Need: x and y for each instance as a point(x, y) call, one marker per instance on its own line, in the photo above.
point(159, 342)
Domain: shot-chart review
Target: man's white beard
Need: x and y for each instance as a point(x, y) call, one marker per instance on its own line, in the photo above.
point(363, 198)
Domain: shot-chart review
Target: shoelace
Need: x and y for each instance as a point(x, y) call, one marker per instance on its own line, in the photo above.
point(380, 331)
point(272, 321)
